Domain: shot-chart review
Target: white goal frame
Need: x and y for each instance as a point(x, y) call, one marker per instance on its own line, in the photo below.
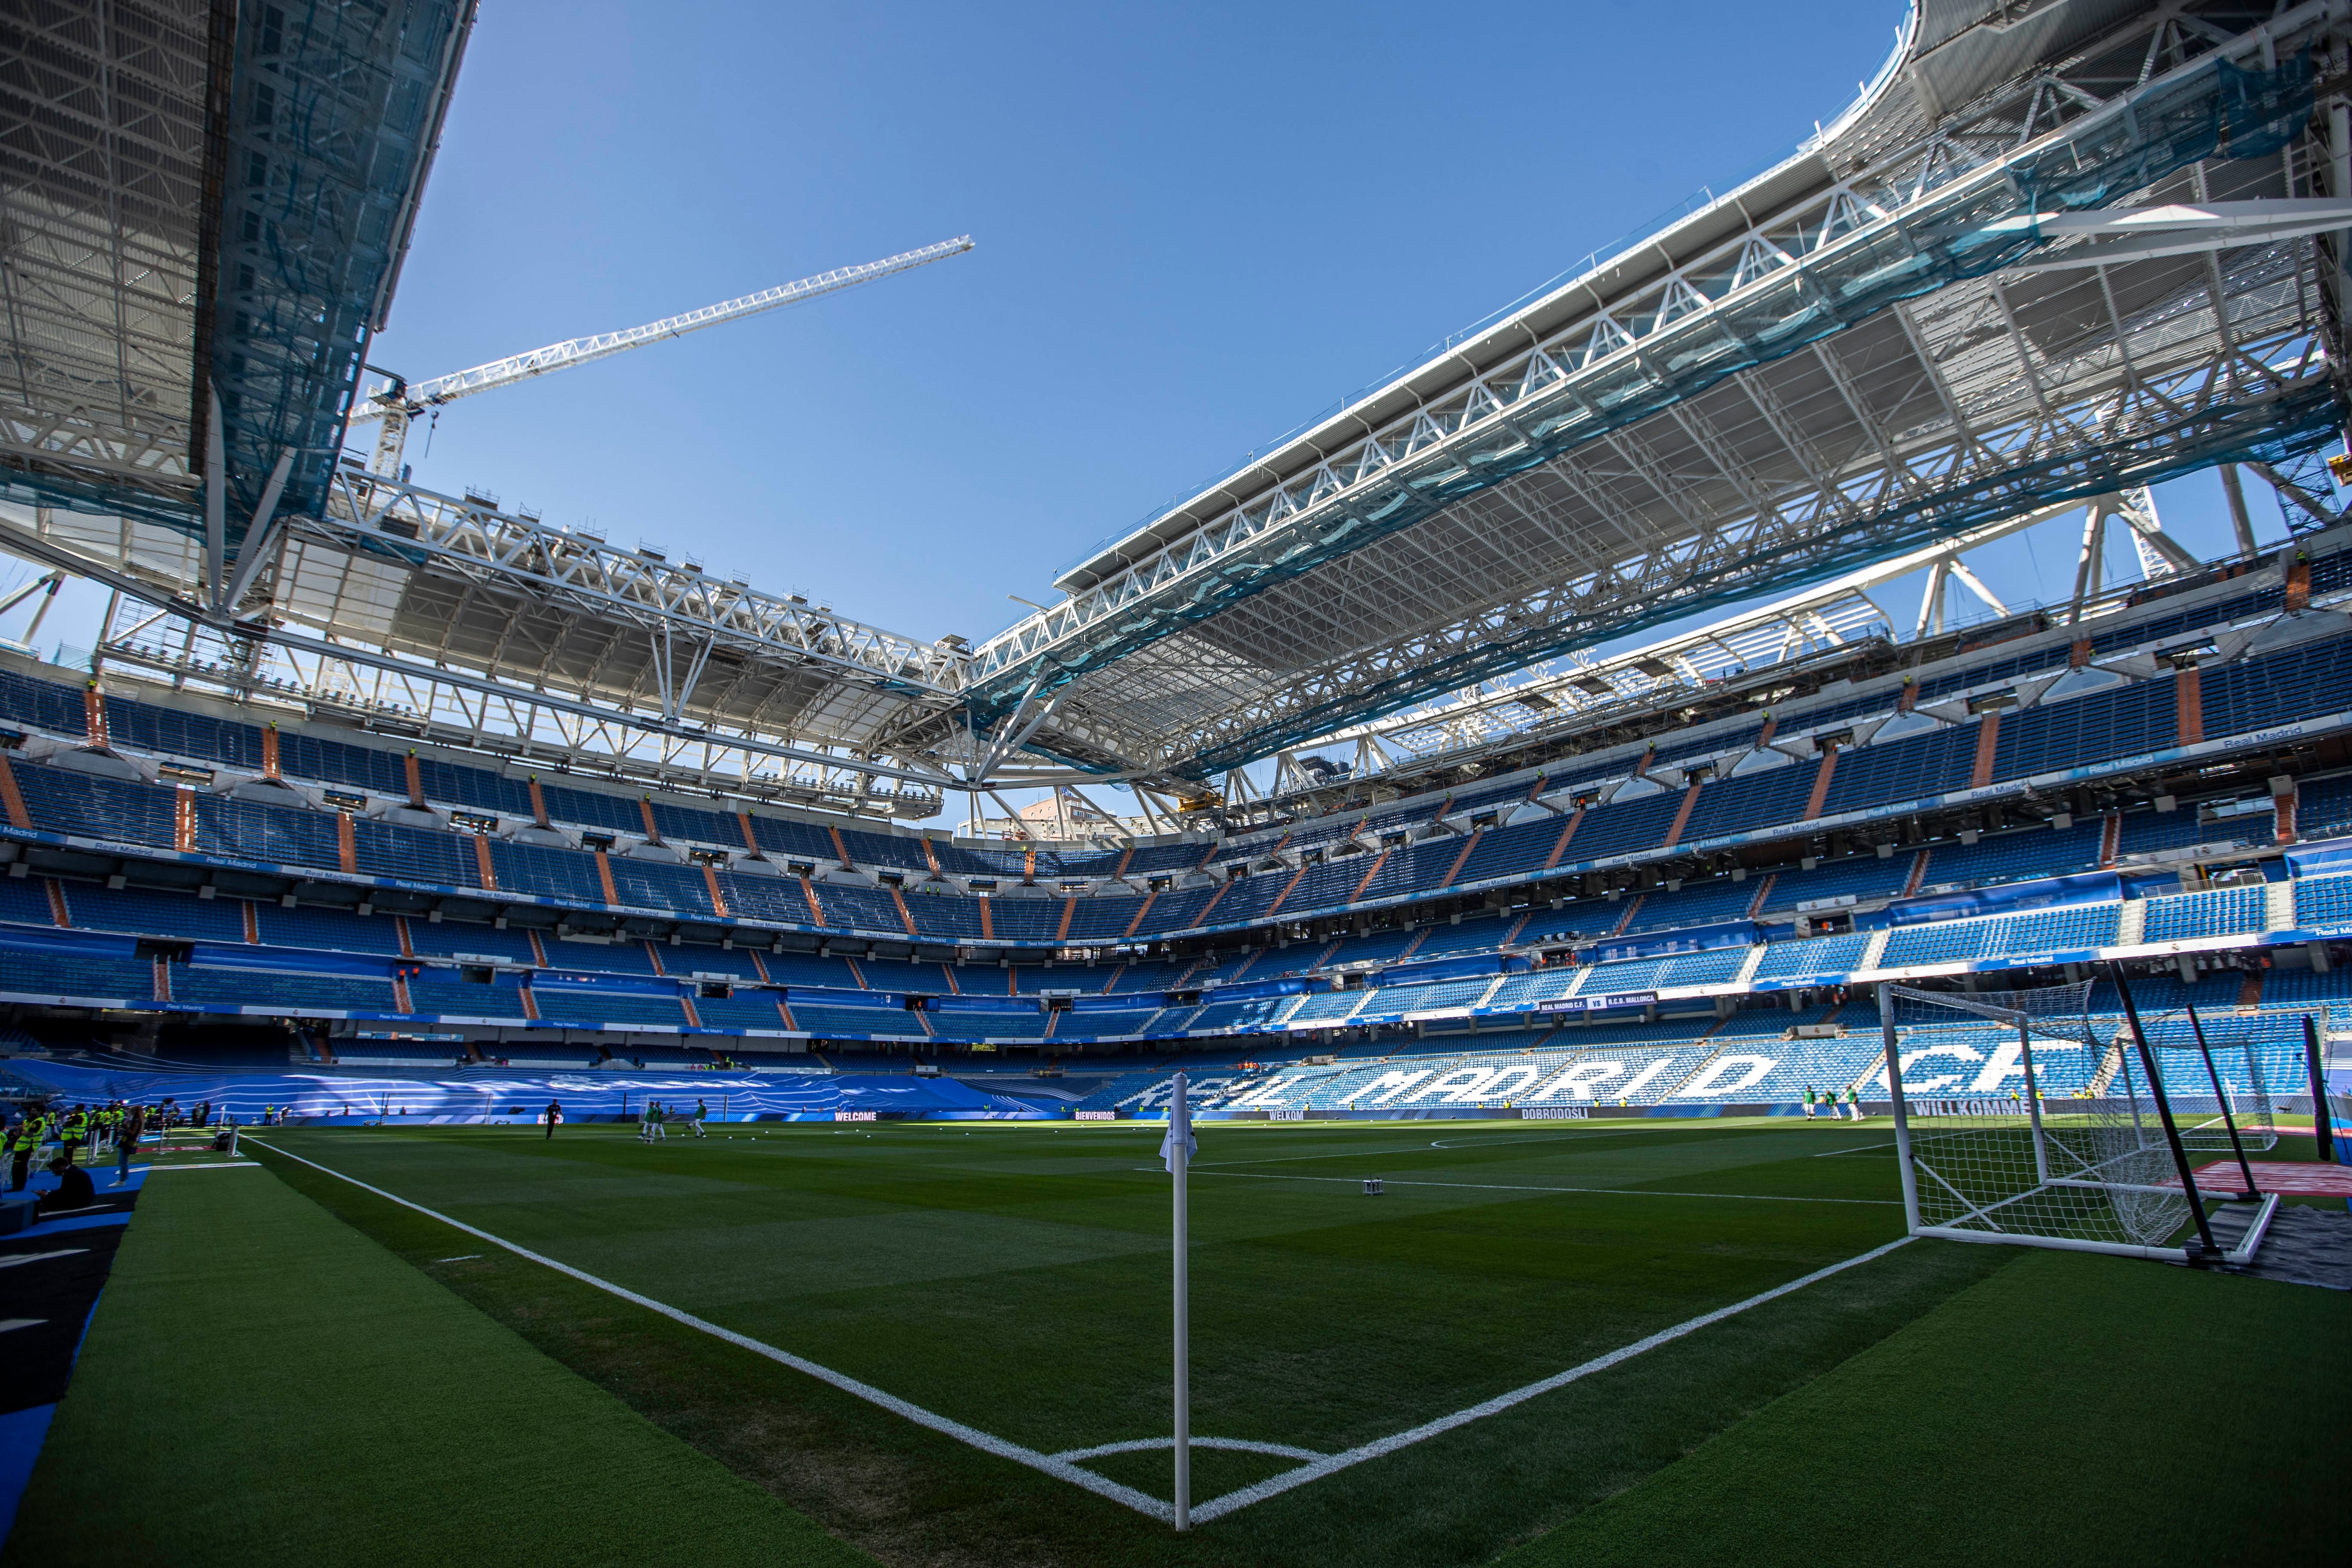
point(2074, 1183)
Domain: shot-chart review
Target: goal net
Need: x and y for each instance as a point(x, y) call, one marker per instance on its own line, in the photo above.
point(2030, 1116)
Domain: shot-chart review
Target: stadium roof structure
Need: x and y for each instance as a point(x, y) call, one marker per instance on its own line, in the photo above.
point(1901, 333)
point(207, 208)
point(1999, 284)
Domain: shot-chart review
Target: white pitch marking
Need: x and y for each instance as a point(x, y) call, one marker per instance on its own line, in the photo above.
point(1060, 1465)
point(1502, 1187)
point(1479, 1142)
point(462, 1258)
point(9, 1325)
point(1275, 1486)
point(1232, 1445)
point(986, 1442)
point(1857, 1149)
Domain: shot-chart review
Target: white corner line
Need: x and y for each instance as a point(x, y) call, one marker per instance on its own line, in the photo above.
point(1061, 1467)
point(1275, 1485)
point(988, 1443)
point(1230, 1445)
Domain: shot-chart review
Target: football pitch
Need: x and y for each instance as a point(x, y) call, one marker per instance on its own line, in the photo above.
point(950, 1344)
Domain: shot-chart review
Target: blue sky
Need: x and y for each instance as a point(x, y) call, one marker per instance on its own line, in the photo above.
point(1197, 226)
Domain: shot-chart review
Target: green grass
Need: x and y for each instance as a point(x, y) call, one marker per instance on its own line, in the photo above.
point(1978, 1399)
point(2068, 1409)
point(261, 1384)
point(1017, 1280)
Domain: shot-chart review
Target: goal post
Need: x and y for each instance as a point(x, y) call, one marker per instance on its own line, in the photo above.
point(2023, 1117)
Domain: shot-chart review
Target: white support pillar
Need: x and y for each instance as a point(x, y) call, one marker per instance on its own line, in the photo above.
point(2233, 491)
point(2089, 567)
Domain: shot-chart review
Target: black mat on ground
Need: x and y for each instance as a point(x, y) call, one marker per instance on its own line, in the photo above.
point(48, 1286)
point(2304, 1246)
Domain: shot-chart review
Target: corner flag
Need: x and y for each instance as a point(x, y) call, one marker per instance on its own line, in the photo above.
point(1176, 1151)
point(1179, 1129)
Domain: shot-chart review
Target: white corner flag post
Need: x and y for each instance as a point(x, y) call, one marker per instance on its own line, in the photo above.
point(1177, 1150)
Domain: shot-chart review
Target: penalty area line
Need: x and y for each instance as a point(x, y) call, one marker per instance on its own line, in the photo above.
point(986, 1442)
point(1504, 1187)
point(1275, 1486)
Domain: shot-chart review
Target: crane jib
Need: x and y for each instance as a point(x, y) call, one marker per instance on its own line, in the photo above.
point(419, 395)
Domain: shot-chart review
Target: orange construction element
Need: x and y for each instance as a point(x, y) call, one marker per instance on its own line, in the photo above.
point(13, 797)
point(646, 811)
point(906, 915)
point(1378, 862)
point(538, 804)
point(987, 925)
point(1143, 909)
point(1821, 786)
point(347, 843)
point(1463, 859)
point(93, 715)
point(817, 906)
point(184, 818)
point(750, 840)
point(1287, 887)
point(269, 752)
point(1988, 748)
point(1062, 931)
point(415, 782)
point(1566, 834)
point(1682, 815)
point(717, 899)
point(605, 878)
point(482, 867)
point(1631, 910)
point(2189, 706)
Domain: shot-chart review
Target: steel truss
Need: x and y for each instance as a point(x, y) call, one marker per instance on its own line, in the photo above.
point(1850, 377)
point(315, 680)
point(502, 631)
point(100, 181)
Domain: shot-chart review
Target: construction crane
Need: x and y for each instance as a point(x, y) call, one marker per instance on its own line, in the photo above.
point(396, 402)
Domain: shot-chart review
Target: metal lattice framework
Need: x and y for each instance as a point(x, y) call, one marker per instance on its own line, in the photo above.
point(203, 210)
point(101, 178)
point(1826, 367)
point(1883, 347)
